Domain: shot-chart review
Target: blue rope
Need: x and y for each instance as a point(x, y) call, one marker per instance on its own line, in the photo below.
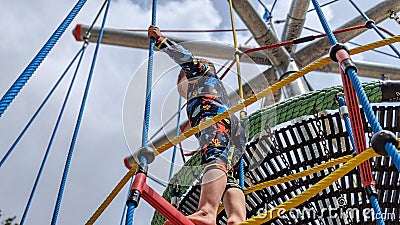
point(129, 214)
point(123, 213)
point(374, 27)
point(34, 64)
point(392, 151)
point(156, 180)
point(177, 130)
point(324, 23)
point(363, 99)
point(241, 173)
point(77, 126)
point(38, 111)
point(262, 4)
point(146, 122)
point(125, 206)
point(52, 138)
point(378, 213)
point(273, 6)
point(346, 119)
point(267, 13)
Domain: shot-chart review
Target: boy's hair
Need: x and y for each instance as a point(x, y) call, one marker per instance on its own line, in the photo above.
point(182, 73)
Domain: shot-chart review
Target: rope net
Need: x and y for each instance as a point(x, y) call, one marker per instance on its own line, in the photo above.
point(301, 146)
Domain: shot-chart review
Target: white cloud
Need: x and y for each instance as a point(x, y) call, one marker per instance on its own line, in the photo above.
point(97, 163)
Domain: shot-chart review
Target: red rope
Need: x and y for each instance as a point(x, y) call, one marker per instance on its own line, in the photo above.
point(309, 38)
point(190, 153)
point(166, 123)
point(386, 31)
point(187, 31)
point(347, 29)
point(184, 126)
point(227, 70)
point(182, 154)
point(281, 44)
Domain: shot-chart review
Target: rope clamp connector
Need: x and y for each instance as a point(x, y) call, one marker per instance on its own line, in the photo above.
point(371, 191)
point(392, 14)
point(379, 140)
point(243, 114)
point(369, 24)
point(340, 52)
point(133, 198)
point(334, 49)
point(147, 153)
point(348, 64)
point(85, 43)
point(337, 96)
point(343, 110)
point(239, 53)
point(86, 39)
point(87, 36)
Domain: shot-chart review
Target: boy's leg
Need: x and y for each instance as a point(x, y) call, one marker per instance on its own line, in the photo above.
point(213, 186)
point(214, 141)
point(235, 206)
point(212, 189)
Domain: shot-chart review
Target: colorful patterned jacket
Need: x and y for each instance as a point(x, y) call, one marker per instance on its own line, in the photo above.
point(207, 95)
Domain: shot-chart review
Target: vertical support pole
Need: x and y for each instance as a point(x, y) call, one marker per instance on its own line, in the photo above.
point(357, 128)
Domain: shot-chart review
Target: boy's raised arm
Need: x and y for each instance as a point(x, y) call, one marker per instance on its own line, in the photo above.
point(179, 54)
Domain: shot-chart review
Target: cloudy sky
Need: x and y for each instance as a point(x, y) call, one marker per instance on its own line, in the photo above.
point(97, 163)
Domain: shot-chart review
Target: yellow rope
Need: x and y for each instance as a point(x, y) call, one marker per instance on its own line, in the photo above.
point(293, 176)
point(312, 191)
point(298, 175)
point(203, 125)
point(112, 195)
point(237, 57)
point(374, 45)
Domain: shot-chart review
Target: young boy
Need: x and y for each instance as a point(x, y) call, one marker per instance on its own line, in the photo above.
point(221, 144)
